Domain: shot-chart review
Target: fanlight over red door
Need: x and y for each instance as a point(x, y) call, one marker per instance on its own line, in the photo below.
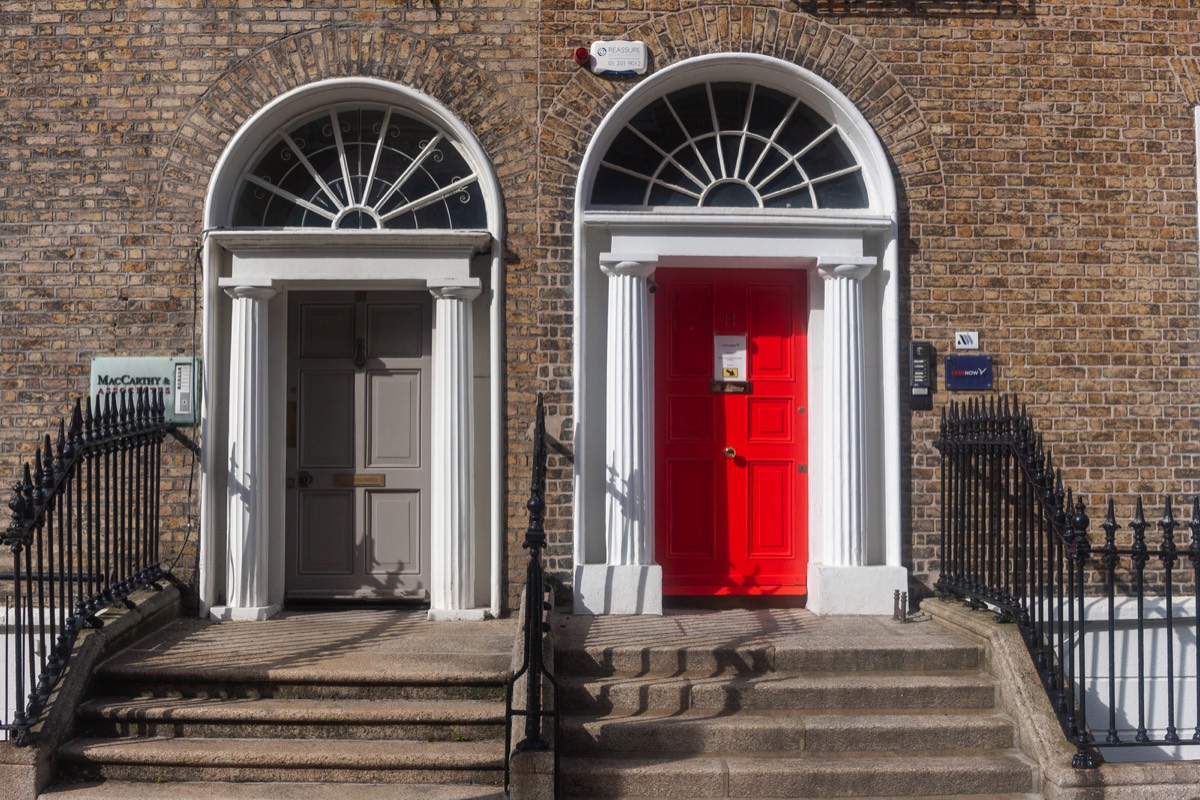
point(731, 483)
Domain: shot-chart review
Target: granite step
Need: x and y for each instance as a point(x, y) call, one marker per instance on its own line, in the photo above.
point(484, 688)
point(782, 731)
point(955, 773)
point(158, 760)
point(778, 690)
point(455, 720)
point(935, 654)
point(219, 790)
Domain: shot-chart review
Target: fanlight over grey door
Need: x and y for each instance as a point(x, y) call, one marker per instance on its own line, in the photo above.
point(358, 449)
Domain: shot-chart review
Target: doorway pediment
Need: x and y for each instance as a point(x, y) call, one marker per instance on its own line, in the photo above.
point(299, 257)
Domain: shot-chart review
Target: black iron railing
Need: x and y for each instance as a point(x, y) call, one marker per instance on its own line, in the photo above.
point(84, 535)
point(533, 665)
point(1111, 629)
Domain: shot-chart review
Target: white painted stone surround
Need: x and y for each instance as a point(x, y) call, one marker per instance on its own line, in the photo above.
point(854, 453)
point(242, 513)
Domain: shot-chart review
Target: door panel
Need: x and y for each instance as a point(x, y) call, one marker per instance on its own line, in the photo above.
point(394, 431)
point(399, 515)
point(690, 516)
point(731, 490)
point(327, 330)
point(394, 329)
point(326, 419)
point(325, 520)
point(358, 464)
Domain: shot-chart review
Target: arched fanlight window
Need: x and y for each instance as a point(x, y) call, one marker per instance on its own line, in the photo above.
point(360, 167)
point(725, 144)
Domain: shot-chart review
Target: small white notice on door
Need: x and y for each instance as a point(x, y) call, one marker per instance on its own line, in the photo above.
point(729, 358)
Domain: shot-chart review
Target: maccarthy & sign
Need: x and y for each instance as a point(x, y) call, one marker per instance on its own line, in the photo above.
point(177, 377)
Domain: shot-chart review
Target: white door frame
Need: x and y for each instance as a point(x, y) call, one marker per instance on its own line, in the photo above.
point(272, 262)
point(831, 245)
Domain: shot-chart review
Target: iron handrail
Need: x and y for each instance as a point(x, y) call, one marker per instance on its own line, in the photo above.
point(533, 665)
point(84, 535)
point(1012, 538)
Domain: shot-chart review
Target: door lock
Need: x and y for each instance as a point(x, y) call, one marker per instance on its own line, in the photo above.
point(730, 452)
point(304, 479)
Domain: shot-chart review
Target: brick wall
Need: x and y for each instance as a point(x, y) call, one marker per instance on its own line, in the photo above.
point(1043, 153)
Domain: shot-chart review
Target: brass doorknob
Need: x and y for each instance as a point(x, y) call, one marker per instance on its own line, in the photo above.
point(730, 452)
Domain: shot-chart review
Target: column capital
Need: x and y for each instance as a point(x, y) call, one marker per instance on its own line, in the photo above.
point(250, 289)
point(856, 268)
point(635, 265)
point(455, 289)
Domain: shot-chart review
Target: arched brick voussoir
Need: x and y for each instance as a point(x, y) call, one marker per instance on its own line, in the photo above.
point(340, 51)
point(845, 62)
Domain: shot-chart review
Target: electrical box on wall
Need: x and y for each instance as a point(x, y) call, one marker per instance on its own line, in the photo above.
point(921, 366)
point(177, 377)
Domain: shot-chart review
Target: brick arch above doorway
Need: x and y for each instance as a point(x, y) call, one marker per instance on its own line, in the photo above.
point(335, 51)
point(584, 99)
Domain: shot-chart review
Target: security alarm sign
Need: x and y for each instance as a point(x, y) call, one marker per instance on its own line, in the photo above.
point(729, 358)
point(619, 58)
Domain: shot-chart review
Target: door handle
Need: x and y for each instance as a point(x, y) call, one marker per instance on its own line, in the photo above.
point(304, 479)
point(730, 452)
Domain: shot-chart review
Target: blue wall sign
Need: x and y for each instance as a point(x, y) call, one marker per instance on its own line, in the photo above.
point(968, 373)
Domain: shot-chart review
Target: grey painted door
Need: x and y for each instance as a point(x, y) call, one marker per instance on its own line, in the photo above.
point(358, 444)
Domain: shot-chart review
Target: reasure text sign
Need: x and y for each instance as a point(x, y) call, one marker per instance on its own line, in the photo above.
point(619, 58)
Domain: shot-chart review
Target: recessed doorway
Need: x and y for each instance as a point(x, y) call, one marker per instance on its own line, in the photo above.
point(358, 450)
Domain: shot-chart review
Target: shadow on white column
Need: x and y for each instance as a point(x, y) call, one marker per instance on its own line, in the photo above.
point(248, 480)
point(629, 582)
point(844, 583)
point(452, 534)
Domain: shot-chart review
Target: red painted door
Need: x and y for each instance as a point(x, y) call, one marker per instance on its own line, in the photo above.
point(731, 485)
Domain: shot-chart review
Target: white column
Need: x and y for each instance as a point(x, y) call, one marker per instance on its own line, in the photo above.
point(628, 522)
point(248, 481)
point(844, 582)
point(629, 582)
point(452, 539)
point(844, 500)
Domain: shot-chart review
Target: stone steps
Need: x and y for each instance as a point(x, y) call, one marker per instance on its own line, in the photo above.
point(906, 713)
point(383, 711)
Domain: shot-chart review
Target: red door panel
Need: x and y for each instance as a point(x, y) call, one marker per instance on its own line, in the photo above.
point(731, 524)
